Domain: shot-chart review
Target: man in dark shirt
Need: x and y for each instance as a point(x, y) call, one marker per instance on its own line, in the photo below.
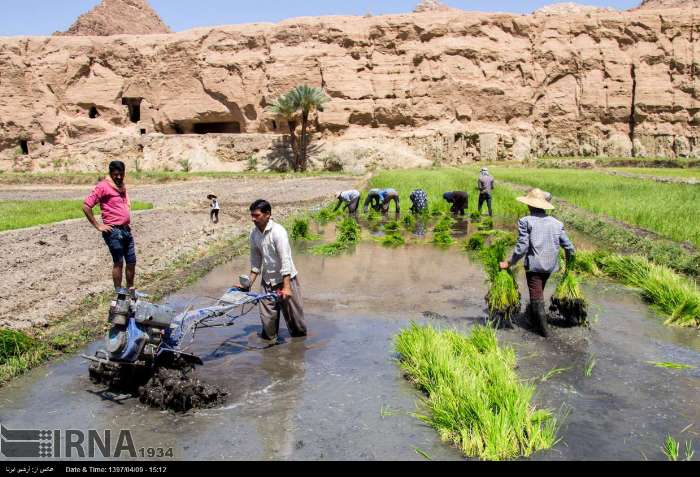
point(459, 201)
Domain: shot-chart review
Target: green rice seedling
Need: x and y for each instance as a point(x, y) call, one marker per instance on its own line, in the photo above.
point(486, 224)
point(347, 234)
point(509, 239)
point(327, 214)
point(586, 262)
point(553, 372)
point(442, 232)
point(503, 298)
point(590, 364)
point(393, 239)
point(13, 343)
point(668, 365)
point(301, 229)
point(671, 448)
point(473, 397)
point(409, 222)
point(689, 452)
point(475, 243)
point(568, 299)
point(423, 454)
point(475, 216)
point(392, 226)
point(349, 231)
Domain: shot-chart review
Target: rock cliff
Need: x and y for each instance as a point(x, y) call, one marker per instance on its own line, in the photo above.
point(457, 86)
point(118, 17)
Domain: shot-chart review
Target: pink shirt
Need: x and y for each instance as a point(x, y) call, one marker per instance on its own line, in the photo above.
point(114, 205)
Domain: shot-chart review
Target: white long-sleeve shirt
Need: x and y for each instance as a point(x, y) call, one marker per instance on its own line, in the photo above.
point(271, 254)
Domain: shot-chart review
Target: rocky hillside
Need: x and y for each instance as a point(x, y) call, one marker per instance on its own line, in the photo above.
point(118, 17)
point(657, 4)
point(486, 85)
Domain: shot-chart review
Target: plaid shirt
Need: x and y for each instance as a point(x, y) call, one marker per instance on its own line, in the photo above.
point(539, 239)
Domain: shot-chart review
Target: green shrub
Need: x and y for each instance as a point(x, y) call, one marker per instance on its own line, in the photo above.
point(13, 343)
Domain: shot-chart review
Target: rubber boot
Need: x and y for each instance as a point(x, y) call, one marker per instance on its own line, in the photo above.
point(538, 317)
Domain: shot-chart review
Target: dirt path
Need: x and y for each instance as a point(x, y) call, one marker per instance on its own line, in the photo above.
point(49, 270)
point(661, 179)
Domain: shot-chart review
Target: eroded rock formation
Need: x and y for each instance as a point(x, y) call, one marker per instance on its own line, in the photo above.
point(118, 17)
point(455, 86)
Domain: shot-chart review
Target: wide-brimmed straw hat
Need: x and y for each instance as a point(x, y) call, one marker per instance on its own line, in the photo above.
point(211, 196)
point(536, 198)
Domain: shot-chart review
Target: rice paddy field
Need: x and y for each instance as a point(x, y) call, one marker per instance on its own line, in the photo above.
point(19, 214)
point(670, 210)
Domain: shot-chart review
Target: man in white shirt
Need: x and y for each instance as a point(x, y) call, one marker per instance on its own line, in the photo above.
point(271, 257)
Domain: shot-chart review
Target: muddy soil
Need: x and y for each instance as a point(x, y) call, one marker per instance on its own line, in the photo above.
point(48, 270)
point(339, 393)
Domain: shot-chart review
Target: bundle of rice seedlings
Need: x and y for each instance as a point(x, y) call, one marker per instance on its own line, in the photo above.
point(348, 233)
point(586, 262)
point(409, 222)
point(392, 237)
point(669, 293)
point(568, 299)
point(474, 399)
point(13, 343)
point(503, 298)
point(442, 232)
point(486, 224)
point(475, 216)
point(301, 229)
point(475, 242)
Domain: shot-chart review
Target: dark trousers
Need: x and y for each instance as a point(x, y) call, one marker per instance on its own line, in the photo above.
point(536, 282)
point(459, 206)
point(353, 206)
point(485, 198)
point(215, 216)
point(292, 308)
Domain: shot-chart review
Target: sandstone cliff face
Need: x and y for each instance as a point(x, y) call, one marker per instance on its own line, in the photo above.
point(118, 17)
point(660, 4)
point(458, 86)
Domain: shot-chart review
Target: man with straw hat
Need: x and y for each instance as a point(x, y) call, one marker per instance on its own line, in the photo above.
point(539, 239)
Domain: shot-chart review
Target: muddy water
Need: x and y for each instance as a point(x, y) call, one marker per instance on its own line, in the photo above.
point(338, 394)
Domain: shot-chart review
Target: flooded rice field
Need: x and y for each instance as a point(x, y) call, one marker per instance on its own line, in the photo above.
point(339, 393)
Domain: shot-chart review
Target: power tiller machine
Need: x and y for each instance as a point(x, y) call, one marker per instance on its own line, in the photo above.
point(145, 336)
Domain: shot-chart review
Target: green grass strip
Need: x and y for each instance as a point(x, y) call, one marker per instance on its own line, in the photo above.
point(20, 214)
point(474, 397)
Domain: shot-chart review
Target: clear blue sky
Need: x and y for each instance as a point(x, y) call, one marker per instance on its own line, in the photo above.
point(43, 17)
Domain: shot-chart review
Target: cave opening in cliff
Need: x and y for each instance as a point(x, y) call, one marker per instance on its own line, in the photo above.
point(229, 127)
point(274, 125)
point(24, 146)
point(93, 112)
point(134, 105)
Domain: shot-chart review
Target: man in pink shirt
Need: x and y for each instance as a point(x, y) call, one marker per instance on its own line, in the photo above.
point(114, 202)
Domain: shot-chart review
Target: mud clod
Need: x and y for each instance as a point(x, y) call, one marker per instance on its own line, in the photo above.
point(179, 390)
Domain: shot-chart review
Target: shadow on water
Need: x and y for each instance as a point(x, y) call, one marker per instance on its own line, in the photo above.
point(338, 394)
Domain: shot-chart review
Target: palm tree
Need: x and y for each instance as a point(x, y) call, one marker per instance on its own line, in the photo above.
point(285, 107)
point(307, 99)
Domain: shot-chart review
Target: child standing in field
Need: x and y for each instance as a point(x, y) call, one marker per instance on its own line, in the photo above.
point(215, 208)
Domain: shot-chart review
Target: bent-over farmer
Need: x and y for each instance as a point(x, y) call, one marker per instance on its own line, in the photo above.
point(114, 202)
point(539, 239)
point(351, 199)
point(271, 258)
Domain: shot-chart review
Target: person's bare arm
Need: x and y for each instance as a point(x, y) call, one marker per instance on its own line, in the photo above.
point(91, 218)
